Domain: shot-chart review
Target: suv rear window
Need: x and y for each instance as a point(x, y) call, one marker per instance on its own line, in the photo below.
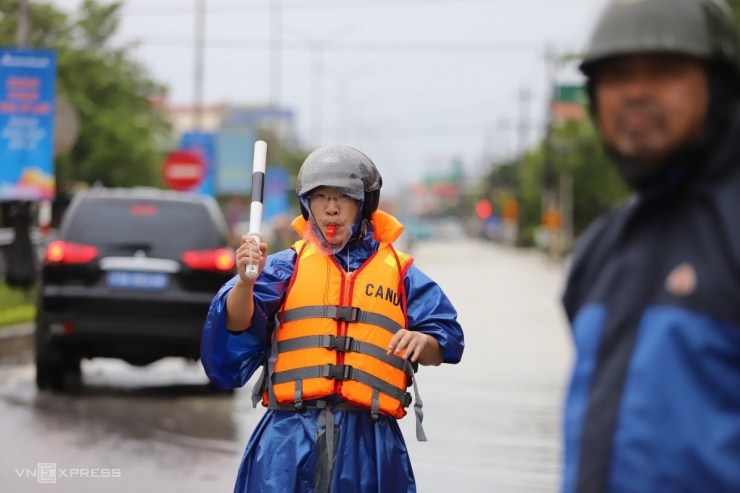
point(146, 223)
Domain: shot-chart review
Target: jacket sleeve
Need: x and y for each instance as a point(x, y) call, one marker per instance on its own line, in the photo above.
point(230, 358)
point(431, 312)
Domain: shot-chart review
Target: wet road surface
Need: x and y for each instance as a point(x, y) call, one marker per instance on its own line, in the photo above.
point(493, 421)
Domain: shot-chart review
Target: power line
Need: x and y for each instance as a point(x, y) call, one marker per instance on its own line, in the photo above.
point(421, 46)
point(455, 123)
point(481, 110)
point(298, 6)
point(390, 131)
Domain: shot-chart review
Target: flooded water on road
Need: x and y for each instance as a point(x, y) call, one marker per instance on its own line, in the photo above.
point(493, 421)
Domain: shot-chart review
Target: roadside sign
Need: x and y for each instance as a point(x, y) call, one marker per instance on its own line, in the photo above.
point(183, 170)
point(234, 155)
point(27, 98)
point(277, 188)
point(204, 144)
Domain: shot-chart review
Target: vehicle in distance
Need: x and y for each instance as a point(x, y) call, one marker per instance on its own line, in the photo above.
point(130, 276)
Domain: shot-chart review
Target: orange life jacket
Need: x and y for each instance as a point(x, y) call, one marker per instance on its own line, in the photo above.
point(346, 329)
point(335, 329)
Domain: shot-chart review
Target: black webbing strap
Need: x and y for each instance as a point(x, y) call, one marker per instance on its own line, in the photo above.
point(265, 383)
point(319, 404)
point(343, 372)
point(345, 344)
point(348, 314)
point(375, 406)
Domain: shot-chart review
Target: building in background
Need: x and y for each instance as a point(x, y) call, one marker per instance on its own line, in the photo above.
point(278, 121)
point(225, 141)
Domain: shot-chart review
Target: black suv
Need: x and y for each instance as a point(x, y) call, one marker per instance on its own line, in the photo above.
point(131, 276)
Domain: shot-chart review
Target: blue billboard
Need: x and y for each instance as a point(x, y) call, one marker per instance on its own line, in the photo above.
point(27, 89)
point(235, 155)
point(277, 193)
point(204, 143)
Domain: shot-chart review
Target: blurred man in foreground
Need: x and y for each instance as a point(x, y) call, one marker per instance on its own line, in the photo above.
point(654, 292)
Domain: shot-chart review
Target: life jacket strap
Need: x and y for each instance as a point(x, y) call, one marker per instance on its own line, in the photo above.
point(319, 404)
point(298, 397)
point(343, 372)
point(350, 314)
point(375, 406)
point(259, 386)
point(374, 411)
point(343, 406)
point(345, 344)
point(418, 413)
point(265, 383)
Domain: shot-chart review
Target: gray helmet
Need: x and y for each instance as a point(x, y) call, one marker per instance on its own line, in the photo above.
point(344, 168)
point(701, 28)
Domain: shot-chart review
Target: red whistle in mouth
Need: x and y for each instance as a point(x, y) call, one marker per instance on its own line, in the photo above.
point(331, 230)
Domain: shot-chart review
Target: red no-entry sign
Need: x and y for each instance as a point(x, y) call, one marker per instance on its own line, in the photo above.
point(183, 170)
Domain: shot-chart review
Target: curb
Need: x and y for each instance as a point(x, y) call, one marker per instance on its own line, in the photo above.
point(16, 339)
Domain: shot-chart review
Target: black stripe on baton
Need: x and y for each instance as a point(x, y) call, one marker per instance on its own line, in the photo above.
point(258, 186)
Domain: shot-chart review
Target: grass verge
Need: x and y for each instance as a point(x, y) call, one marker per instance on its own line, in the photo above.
point(17, 315)
point(16, 305)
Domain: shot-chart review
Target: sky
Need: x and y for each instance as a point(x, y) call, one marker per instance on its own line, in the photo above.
point(415, 84)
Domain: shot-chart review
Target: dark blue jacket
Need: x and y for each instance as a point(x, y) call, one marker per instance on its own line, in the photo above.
point(654, 301)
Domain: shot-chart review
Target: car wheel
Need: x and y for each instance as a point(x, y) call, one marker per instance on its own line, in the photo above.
point(57, 370)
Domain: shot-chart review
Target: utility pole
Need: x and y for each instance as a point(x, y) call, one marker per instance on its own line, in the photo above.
point(343, 104)
point(503, 126)
point(276, 55)
point(21, 270)
point(523, 137)
point(344, 83)
point(317, 46)
point(23, 24)
point(317, 88)
point(548, 179)
point(200, 28)
point(566, 209)
point(549, 202)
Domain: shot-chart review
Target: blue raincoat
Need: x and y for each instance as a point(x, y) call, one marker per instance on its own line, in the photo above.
point(281, 456)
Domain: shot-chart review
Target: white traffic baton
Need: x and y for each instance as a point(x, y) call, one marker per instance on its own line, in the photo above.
point(255, 211)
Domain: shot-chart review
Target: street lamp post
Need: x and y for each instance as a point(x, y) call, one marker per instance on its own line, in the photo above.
point(23, 24)
point(317, 87)
point(200, 27)
point(317, 46)
point(276, 57)
point(344, 83)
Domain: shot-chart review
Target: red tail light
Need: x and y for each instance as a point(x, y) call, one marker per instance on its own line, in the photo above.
point(219, 260)
point(64, 252)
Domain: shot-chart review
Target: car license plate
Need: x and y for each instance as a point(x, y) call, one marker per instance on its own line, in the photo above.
point(149, 281)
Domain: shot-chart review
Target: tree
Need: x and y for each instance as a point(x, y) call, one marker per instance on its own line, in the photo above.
point(575, 152)
point(597, 185)
point(111, 92)
point(289, 157)
point(735, 6)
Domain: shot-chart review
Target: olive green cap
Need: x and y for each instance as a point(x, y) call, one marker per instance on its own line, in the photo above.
point(703, 29)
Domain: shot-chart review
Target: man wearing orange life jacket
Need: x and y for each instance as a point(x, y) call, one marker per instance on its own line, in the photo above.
point(339, 322)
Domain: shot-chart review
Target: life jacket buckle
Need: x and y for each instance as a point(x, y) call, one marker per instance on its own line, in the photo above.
point(300, 407)
point(347, 314)
point(341, 343)
point(407, 400)
point(337, 372)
